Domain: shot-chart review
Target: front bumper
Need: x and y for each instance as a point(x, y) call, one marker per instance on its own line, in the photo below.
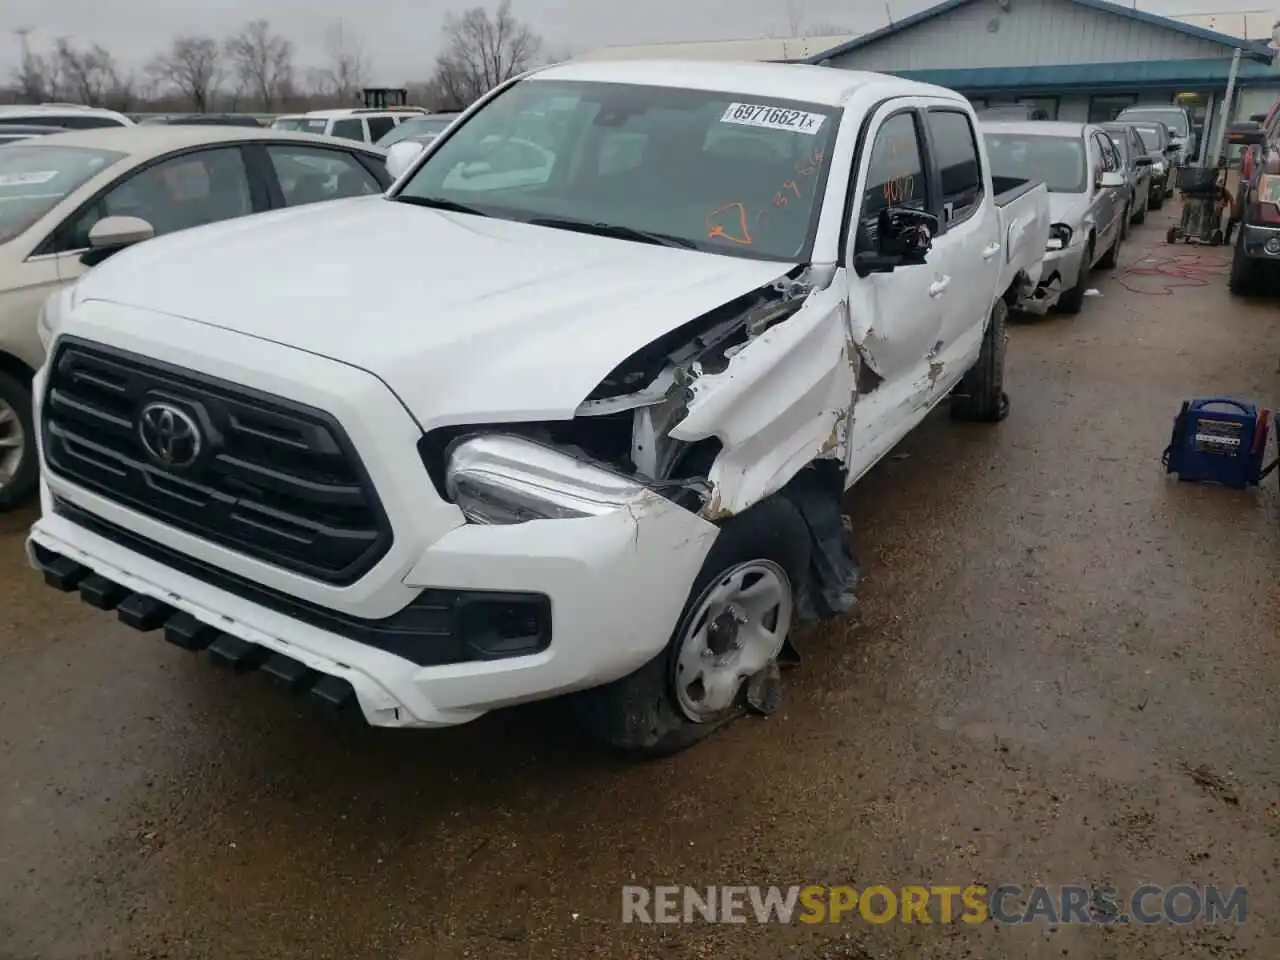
point(615, 586)
point(1060, 272)
point(1260, 243)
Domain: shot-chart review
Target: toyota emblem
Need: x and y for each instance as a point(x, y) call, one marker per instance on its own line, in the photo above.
point(169, 434)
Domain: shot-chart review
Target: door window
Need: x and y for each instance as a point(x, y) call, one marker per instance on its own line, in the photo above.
point(960, 171)
point(350, 129)
point(379, 126)
point(895, 176)
point(1107, 152)
point(312, 175)
point(184, 191)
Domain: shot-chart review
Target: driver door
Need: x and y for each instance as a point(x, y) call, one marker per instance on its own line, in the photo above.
point(895, 318)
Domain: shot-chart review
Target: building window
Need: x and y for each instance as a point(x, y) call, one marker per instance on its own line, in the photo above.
point(1107, 108)
point(1042, 108)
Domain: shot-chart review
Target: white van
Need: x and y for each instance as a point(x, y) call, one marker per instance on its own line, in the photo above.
point(350, 123)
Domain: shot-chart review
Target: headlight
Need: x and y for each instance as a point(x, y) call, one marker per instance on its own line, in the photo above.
point(1059, 237)
point(1158, 167)
point(504, 479)
point(55, 309)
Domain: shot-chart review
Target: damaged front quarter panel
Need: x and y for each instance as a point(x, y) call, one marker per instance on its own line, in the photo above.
point(769, 379)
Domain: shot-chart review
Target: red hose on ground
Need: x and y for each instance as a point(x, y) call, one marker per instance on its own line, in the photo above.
point(1155, 276)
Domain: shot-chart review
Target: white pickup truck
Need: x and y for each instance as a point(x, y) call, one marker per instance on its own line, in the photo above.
point(651, 321)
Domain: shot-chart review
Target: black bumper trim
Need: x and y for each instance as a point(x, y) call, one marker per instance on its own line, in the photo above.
point(432, 630)
point(183, 630)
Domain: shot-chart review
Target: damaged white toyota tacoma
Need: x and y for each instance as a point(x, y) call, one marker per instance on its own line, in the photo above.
point(571, 410)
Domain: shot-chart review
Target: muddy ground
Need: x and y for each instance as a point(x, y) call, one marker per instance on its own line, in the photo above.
point(1051, 638)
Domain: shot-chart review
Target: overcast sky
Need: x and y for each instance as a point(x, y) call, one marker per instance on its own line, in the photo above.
point(402, 36)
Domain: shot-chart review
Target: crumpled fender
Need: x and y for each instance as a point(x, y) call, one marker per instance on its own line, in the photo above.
point(783, 401)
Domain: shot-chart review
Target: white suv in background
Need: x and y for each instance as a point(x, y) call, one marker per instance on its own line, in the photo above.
point(350, 123)
point(68, 116)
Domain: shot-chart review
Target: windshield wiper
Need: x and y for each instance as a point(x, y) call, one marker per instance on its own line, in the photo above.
point(616, 231)
point(439, 203)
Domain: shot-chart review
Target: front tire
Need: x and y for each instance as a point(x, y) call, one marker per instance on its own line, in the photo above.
point(19, 465)
point(980, 395)
point(1157, 201)
point(1072, 302)
point(1112, 258)
point(736, 620)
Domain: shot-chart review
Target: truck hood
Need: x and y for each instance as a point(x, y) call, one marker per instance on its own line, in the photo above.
point(467, 319)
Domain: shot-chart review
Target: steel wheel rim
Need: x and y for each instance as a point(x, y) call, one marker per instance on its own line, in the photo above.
point(735, 630)
point(13, 443)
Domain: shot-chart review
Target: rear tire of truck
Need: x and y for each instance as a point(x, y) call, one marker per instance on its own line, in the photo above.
point(690, 690)
point(19, 465)
point(1072, 302)
point(980, 396)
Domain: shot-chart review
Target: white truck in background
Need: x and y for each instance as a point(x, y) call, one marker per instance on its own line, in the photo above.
point(653, 320)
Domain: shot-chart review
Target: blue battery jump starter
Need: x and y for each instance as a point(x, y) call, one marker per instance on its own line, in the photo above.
point(1220, 441)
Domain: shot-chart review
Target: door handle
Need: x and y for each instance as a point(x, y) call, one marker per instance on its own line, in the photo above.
point(939, 287)
point(990, 251)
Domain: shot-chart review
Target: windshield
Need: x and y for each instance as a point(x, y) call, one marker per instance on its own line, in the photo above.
point(33, 179)
point(1175, 120)
point(1058, 161)
point(1151, 138)
point(416, 127)
point(300, 124)
point(713, 171)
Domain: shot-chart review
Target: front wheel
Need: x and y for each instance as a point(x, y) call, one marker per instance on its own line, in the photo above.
point(1112, 257)
point(980, 395)
point(1157, 199)
point(1072, 302)
point(733, 626)
point(19, 467)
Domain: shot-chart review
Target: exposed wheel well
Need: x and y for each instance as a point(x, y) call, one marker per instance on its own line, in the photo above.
point(15, 368)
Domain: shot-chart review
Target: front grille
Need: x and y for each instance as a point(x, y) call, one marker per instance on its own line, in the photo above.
point(273, 479)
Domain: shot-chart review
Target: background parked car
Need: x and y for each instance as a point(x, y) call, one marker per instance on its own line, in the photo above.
point(209, 119)
point(1177, 119)
point(1137, 167)
point(13, 132)
point(1088, 195)
point(1257, 208)
point(69, 200)
point(1159, 145)
point(70, 116)
point(349, 123)
point(422, 129)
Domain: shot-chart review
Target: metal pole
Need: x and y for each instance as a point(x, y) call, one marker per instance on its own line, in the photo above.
point(1225, 117)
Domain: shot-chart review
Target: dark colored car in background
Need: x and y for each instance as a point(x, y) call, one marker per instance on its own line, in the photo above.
point(1137, 165)
point(1257, 208)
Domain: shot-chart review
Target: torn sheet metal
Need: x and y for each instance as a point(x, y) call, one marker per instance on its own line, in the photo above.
point(782, 402)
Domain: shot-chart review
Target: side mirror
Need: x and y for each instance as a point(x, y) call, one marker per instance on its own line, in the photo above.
point(119, 232)
point(1111, 179)
point(904, 238)
point(112, 234)
point(401, 156)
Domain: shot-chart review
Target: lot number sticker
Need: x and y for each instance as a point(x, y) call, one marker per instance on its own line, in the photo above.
point(26, 179)
point(773, 118)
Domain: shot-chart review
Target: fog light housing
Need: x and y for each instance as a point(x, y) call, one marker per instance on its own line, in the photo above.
point(505, 625)
point(1272, 247)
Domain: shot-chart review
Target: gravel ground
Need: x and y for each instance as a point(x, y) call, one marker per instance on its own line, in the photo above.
point(1062, 671)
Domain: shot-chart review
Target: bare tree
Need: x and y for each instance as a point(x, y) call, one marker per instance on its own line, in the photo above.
point(193, 67)
point(263, 63)
point(35, 79)
point(91, 75)
point(345, 70)
point(481, 52)
point(795, 17)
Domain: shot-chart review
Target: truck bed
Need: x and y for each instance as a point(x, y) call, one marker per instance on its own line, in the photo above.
point(1023, 208)
point(1009, 189)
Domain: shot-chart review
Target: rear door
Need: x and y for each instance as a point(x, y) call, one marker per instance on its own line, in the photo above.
point(968, 249)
